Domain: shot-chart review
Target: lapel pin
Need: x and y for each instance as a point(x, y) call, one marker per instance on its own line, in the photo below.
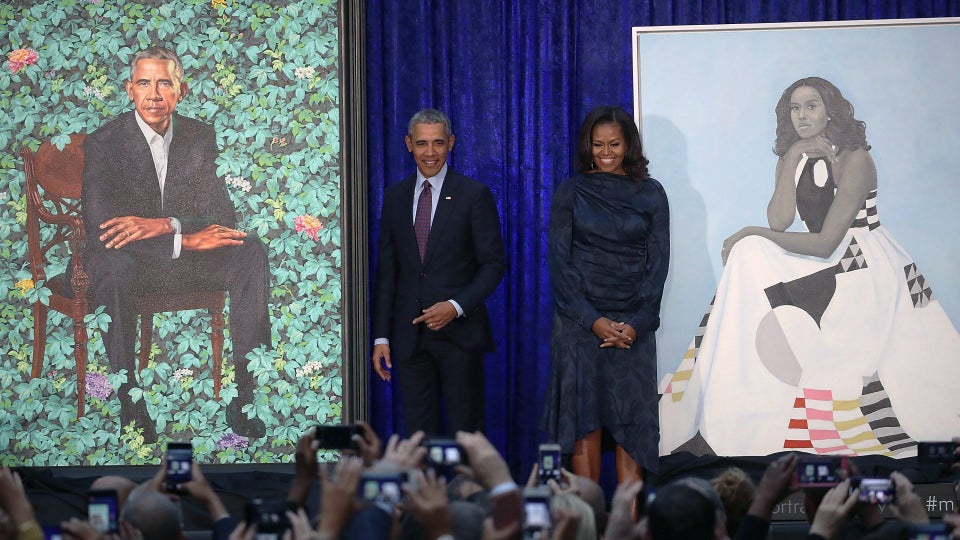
point(448, 198)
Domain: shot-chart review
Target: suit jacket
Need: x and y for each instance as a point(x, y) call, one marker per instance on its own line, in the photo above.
point(464, 261)
point(119, 179)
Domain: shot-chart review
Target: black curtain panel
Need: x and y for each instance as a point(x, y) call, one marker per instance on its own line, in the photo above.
point(516, 78)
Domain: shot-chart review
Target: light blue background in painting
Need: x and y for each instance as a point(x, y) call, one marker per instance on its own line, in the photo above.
point(706, 109)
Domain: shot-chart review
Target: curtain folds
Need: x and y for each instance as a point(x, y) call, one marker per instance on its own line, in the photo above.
point(516, 78)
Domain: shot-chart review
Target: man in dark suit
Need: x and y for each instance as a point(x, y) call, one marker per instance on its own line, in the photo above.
point(157, 219)
point(441, 255)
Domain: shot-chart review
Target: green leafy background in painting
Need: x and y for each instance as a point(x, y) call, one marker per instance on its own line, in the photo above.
point(266, 76)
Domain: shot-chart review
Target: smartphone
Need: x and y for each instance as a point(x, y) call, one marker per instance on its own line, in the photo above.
point(819, 472)
point(443, 453)
point(930, 531)
point(549, 463)
point(936, 452)
point(102, 510)
point(875, 490)
point(382, 487)
point(536, 513)
point(179, 463)
point(270, 517)
point(338, 437)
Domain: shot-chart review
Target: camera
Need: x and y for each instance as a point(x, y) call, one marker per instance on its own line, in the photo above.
point(338, 437)
point(443, 453)
point(382, 487)
point(875, 490)
point(936, 452)
point(536, 513)
point(102, 510)
point(548, 463)
point(929, 531)
point(270, 517)
point(179, 463)
point(820, 472)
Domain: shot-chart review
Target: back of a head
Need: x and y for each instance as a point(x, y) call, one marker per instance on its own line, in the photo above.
point(153, 514)
point(586, 530)
point(736, 491)
point(593, 495)
point(683, 511)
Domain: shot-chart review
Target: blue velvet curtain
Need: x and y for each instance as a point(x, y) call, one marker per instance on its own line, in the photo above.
point(516, 78)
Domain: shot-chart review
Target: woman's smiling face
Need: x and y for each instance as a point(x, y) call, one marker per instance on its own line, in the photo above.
point(808, 112)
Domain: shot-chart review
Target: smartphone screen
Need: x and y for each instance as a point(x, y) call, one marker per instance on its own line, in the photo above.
point(179, 462)
point(549, 463)
point(443, 453)
point(930, 531)
point(875, 490)
point(270, 516)
point(821, 472)
point(536, 513)
point(52, 532)
point(102, 510)
point(381, 487)
point(337, 437)
point(936, 452)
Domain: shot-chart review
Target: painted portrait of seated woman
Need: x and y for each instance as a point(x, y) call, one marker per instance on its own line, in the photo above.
point(823, 336)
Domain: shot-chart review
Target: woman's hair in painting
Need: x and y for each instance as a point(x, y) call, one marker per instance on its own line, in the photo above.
point(842, 128)
point(634, 162)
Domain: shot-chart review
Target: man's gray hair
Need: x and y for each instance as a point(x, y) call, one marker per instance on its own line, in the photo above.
point(153, 514)
point(161, 53)
point(430, 116)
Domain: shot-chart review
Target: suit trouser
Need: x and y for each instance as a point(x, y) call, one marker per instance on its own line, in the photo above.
point(439, 368)
point(117, 277)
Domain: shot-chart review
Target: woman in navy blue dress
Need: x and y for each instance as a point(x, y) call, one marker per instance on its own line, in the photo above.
point(609, 249)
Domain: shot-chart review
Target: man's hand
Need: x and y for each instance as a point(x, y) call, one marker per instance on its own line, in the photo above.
point(120, 231)
point(438, 315)
point(370, 445)
point(622, 508)
point(427, 502)
point(306, 467)
point(833, 509)
point(487, 466)
point(381, 353)
point(13, 497)
point(403, 454)
point(212, 237)
point(200, 489)
point(774, 486)
point(337, 495)
point(908, 507)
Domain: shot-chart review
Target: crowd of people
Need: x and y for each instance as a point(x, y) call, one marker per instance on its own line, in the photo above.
point(480, 500)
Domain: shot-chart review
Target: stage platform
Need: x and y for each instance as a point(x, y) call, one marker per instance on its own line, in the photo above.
point(58, 493)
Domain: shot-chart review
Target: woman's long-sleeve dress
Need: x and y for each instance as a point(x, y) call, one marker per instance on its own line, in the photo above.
point(609, 250)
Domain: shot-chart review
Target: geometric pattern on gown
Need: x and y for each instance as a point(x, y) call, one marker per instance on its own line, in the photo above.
point(920, 292)
point(823, 282)
point(673, 384)
point(863, 426)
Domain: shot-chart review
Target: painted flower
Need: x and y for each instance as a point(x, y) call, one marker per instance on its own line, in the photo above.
point(309, 369)
point(98, 385)
point(232, 440)
point(239, 183)
point(179, 374)
point(304, 72)
point(24, 285)
point(21, 58)
point(309, 224)
point(92, 91)
point(218, 3)
point(3, 195)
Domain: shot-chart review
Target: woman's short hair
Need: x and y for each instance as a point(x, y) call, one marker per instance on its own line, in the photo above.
point(634, 162)
point(842, 128)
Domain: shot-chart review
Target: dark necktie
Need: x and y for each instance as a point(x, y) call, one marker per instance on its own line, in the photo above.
point(421, 224)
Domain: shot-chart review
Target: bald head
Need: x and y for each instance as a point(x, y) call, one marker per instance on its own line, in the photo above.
point(593, 495)
point(123, 487)
point(153, 514)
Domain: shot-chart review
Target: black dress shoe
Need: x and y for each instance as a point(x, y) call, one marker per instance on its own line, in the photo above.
point(251, 428)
